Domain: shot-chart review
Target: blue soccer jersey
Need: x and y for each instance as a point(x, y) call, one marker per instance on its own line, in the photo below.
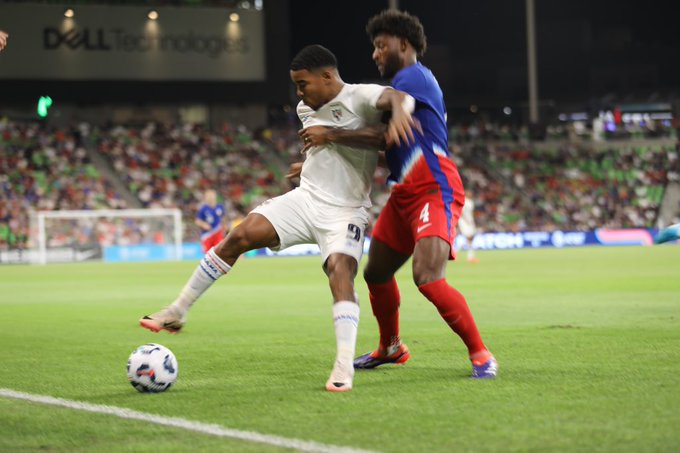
point(212, 216)
point(419, 82)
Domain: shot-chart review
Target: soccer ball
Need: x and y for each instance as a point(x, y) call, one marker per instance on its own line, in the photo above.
point(152, 368)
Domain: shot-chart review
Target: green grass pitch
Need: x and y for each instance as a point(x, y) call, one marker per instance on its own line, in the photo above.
point(588, 341)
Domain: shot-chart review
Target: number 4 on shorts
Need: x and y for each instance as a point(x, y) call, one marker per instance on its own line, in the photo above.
point(425, 213)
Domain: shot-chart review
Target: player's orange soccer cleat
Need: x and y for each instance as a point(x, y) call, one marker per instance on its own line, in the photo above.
point(169, 319)
point(398, 354)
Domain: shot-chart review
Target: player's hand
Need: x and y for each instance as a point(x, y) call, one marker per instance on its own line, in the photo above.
point(294, 170)
point(3, 39)
point(314, 136)
point(401, 128)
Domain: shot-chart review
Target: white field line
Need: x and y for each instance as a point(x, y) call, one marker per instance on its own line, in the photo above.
point(189, 425)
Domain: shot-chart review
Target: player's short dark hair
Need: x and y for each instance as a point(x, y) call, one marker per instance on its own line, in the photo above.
point(313, 57)
point(400, 24)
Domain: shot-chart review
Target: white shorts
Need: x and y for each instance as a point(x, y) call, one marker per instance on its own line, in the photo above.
point(466, 228)
point(300, 218)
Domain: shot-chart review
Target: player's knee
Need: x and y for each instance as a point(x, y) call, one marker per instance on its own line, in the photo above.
point(374, 275)
point(369, 275)
point(341, 267)
point(236, 243)
point(427, 274)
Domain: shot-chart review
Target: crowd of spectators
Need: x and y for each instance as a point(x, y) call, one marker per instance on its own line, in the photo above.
point(573, 131)
point(575, 187)
point(44, 169)
point(171, 166)
point(568, 185)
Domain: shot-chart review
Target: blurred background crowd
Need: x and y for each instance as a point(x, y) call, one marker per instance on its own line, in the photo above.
point(516, 184)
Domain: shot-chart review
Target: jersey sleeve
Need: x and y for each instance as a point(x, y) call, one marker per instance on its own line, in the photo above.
point(304, 112)
point(366, 96)
point(200, 214)
point(414, 83)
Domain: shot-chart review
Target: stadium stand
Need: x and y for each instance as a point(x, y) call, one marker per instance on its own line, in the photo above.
point(46, 169)
point(172, 166)
point(574, 185)
point(568, 186)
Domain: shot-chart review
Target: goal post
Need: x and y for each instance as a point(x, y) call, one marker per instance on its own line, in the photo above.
point(66, 229)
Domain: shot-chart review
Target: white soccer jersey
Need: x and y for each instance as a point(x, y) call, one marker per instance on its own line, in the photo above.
point(469, 210)
point(466, 223)
point(338, 174)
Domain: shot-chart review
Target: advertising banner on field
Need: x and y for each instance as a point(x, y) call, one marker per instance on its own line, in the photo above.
point(482, 241)
point(151, 252)
point(533, 239)
point(113, 42)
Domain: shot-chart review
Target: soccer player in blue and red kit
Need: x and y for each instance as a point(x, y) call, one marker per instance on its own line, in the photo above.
point(210, 219)
point(427, 197)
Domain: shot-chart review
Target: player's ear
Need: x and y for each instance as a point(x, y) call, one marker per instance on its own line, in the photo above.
point(327, 75)
point(403, 44)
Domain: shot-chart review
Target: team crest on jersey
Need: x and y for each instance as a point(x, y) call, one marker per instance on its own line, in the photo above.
point(336, 111)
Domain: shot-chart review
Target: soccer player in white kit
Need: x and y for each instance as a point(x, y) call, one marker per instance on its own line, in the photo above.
point(329, 208)
point(468, 228)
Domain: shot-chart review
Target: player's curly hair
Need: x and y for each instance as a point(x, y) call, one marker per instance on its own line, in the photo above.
point(313, 57)
point(400, 24)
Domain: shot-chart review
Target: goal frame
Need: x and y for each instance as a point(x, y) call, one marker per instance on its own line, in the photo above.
point(42, 216)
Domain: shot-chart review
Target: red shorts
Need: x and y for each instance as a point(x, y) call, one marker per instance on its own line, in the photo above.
point(212, 240)
point(409, 216)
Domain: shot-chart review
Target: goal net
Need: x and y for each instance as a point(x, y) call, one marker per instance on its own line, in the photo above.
point(110, 234)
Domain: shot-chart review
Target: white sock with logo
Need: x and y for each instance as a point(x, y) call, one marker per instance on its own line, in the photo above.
point(346, 322)
point(209, 269)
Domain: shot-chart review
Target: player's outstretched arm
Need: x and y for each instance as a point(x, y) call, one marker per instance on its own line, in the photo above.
point(377, 137)
point(401, 124)
point(372, 137)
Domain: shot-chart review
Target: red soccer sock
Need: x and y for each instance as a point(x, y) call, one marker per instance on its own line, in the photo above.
point(455, 311)
point(385, 302)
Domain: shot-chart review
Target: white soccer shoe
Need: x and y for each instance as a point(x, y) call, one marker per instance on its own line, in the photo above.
point(341, 377)
point(170, 318)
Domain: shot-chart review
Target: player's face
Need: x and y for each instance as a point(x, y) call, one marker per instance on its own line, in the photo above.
point(211, 197)
point(386, 54)
point(310, 86)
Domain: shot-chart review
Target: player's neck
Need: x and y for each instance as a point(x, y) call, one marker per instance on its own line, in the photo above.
point(409, 60)
point(335, 89)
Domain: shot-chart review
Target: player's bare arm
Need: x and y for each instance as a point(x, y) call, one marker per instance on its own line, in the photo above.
point(401, 124)
point(378, 137)
point(202, 225)
point(372, 137)
point(294, 170)
point(3, 39)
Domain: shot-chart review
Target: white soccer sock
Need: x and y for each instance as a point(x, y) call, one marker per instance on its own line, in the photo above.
point(346, 322)
point(209, 269)
point(471, 253)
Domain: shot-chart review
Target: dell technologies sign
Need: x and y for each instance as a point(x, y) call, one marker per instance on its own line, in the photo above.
point(119, 40)
point(104, 42)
